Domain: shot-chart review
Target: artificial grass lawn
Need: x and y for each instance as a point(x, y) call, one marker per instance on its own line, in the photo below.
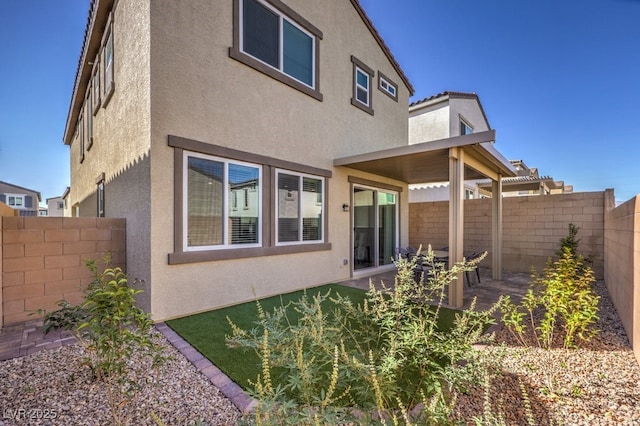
point(206, 331)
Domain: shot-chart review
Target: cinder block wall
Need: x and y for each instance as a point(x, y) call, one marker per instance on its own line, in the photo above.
point(532, 227)
point(43, 260)
point(622, 265)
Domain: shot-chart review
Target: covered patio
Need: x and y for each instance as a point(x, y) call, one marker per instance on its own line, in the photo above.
point(455, 160)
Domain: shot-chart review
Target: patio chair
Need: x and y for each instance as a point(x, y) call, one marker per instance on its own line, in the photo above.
point(473, 256)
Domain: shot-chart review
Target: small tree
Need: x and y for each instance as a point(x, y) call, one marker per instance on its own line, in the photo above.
point(113, 330)
point(560, 300)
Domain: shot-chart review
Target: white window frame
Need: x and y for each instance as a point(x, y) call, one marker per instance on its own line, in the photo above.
point(467, 125)
point(300, 240)
point(359, 86)
point(387, 87)
point(281, 18)
point(15, 197)
point(226, 203)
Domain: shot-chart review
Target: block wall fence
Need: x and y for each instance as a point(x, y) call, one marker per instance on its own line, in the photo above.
point(42, 260)
point(622, 265)
point(532, 227)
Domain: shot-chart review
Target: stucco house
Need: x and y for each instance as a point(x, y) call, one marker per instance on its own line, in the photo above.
point(276, 132)
point(527, 182)
point(25, 201)
point(55, 206)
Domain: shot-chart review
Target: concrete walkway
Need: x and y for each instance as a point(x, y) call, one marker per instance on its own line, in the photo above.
point(486, 292)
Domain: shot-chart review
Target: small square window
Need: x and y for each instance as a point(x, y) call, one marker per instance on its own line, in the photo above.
point(387, 87)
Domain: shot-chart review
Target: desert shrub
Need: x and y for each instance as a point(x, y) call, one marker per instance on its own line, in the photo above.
point(113, 330)
point(559, 301)
point(326, 360)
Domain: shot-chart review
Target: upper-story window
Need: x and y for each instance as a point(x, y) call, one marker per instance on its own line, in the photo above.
point(387, 86)
point(108, 61)
point(95, 88)
point(362, 77)
point(89, 109)
point(81, 135)
point(465, 129)
point(15, 201)
point(275, 40)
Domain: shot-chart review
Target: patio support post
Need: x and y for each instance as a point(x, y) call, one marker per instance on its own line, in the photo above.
point(496, 227)
point(456, 222)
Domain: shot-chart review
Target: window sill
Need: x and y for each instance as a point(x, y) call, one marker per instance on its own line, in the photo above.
point(273, 73)
point(240, 253)
point(361, 106)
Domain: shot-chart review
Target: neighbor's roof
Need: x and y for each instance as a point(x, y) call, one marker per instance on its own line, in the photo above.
point(22, 187)
point(383, 45)
point(526, 182)
point(444, 96)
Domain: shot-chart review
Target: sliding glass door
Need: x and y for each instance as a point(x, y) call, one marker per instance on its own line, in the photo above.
point(375, 227)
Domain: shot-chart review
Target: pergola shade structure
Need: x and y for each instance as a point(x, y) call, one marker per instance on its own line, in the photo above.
point(454, 160)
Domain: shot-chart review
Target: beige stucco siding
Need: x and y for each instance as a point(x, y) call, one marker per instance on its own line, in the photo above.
point(468, 110)
point(430, 123)
point(199, 92)
point(120, 149)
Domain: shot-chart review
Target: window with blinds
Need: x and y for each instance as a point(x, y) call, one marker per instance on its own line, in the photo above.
point(300, 208)
point(222, 203)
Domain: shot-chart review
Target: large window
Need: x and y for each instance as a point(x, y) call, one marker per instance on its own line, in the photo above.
point(276, 40)
point(214, 216)
point(300, 208)
point(273, 39)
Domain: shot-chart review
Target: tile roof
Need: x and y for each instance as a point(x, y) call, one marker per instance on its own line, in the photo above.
point(383, 45)
point(454, 95)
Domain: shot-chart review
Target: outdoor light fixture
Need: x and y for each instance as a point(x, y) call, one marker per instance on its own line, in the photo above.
point(345, 207)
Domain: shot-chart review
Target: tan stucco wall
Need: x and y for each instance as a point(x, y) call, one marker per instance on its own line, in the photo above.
point(622, 265)
point(221, 101)
point(42, 260)
point(470, 111)
point(121, 148)
point(532, 227)
point(429, 123)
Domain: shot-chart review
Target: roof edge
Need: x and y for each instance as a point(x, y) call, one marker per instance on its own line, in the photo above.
point(383, 45)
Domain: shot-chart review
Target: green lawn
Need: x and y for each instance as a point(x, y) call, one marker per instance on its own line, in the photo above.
point(206, 331)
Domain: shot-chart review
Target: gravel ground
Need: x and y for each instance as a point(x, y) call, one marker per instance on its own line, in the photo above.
point(55, 383)
point(598, 384)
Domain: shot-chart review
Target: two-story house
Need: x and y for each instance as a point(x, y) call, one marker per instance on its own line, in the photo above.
point(231, 135)
point(25, 201)
point(445, 115)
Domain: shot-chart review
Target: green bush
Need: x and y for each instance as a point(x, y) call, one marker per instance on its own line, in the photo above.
point(560, 301)
point(113, 330)
point(385, 360)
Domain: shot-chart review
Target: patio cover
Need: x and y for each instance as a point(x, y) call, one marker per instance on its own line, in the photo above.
point(454, 160)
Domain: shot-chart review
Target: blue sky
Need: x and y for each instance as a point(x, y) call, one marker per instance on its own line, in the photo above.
point(558, 79)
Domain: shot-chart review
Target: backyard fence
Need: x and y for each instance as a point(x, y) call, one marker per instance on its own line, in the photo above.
point(42, 260)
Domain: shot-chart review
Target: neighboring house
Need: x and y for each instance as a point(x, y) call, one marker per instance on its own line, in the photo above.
point(445, 115)
point(528, 182)
point(43, 211)
point(254, 146)
point(55, 206)
point(25, 201)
